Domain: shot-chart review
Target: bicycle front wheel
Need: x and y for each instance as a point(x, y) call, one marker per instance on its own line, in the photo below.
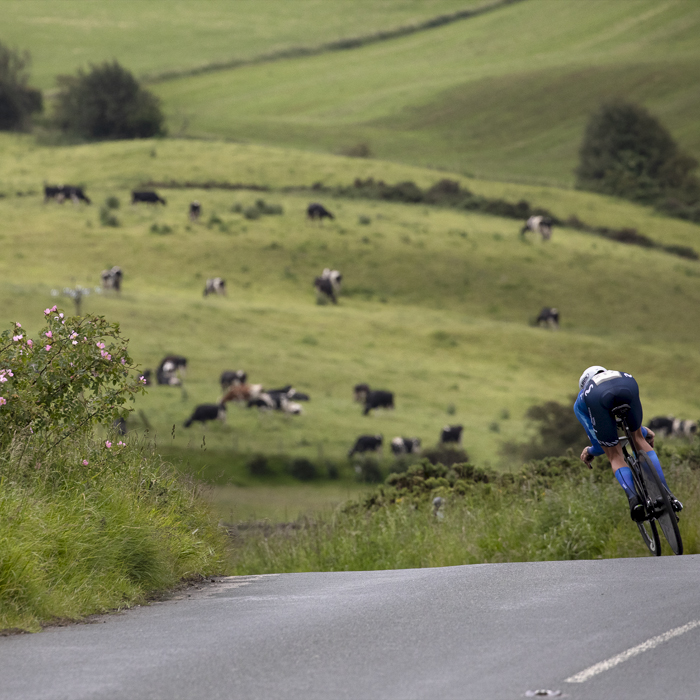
point(662, 510)
point(650, 535)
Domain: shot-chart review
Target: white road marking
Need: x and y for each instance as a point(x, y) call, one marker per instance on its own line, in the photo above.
point(644, 646)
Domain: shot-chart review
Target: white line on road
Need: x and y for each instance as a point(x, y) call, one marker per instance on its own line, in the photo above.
point(644, 646)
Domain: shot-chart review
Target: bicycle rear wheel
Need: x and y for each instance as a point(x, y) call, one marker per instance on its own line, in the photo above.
point(662, 505)
point(650, 535)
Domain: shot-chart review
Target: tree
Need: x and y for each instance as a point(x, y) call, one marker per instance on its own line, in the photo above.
point(18, 101)
point(626, 152)
point(107, 103)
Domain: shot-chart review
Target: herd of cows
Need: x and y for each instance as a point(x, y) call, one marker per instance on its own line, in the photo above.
point(286, 399)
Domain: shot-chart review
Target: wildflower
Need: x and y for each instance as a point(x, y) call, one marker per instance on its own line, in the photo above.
point(73, 335)
point(3, 378)
point(108, 444)
point(123, 361)
point(142, 379)
point(18, 324)
point(30, 343)
point(85, 462)
point(60, 315)
point(47, 348)
point(121, 444)
point(75, 342)
point(47, 312)
point(3, 401)
point(17, 337)
point(54, 308)
point(101, 346)
point(48, 334)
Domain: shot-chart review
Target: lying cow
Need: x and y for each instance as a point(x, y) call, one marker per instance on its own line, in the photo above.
point(403, 446)
point(206, 412)
point(668, 426)
point(376, 398)
point(232, 377)
point(549, 316)
point(216, 285)
point(318, 211)
point(112, 279)
point(538, 224)
point(241, 392)
point(170, 367)
point(147, 197)
point(60, 193)
point(195, 210)
point(324, 289)
point(451, 433)
point(366, 443)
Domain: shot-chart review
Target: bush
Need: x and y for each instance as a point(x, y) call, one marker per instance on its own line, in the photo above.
point(447, 456)
point(626, 152)
point(18, 101)
point(112, 202)
point(257, 465)
point(303, 469)
point(107, 103)
point(107, 218)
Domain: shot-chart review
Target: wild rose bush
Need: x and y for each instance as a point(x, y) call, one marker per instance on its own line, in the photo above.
point(75, 374)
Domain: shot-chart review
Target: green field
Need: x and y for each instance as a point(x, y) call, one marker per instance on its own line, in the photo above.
point(161, 36)
point(504, 95)
point(437, 304)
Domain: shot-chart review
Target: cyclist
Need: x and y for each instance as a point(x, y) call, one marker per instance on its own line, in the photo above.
point(601, 390)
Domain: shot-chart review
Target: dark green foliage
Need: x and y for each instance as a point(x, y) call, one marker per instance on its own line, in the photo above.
point(257, 465)
point(557, 431)
point(303, 469)
point(112, 202)
point(445, 455)
point(107, 218)
point(18, 101)
point(368, 470)
point(627, 153)
point(107, 103)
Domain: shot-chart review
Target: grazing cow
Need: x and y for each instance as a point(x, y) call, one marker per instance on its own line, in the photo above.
point(215, 286)
point(366, 443)
point(205, 412)
point(668, 426)
point(318, 211)
point(538, 224)
point(231, 378)
point(549, 316)
point(373, 398)
point(169, 368)
point(334, 276)
point(62, 192)
point(147, 197)
point(451, 433)
point(402, 446)
point(112, 279)
point(324, 289)
point(195, 210)
point(241, 392)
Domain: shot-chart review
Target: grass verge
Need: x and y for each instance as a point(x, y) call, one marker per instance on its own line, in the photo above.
point(92, 529)
point(551, 510)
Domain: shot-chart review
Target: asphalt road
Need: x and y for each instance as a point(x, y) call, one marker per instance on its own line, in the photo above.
point(591, 629)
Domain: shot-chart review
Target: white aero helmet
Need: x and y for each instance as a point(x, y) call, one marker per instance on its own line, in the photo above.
point(588, 373)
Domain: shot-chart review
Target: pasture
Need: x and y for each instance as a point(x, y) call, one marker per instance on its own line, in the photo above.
point(436, 304)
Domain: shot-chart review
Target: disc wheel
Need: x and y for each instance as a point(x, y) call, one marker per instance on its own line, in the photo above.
point(650, 535)
point(663, 512)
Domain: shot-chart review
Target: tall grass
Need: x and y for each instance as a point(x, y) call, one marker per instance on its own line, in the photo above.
point(94, 528)
point(576, 514)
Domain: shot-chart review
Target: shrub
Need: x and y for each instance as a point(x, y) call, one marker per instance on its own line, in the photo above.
point(447, 456)
point(107, 103)
point(257, 465)
point(368, 470)
point(303, 469)
point(107, 218)
point(112, 202)
point(626, 152)
point(162, 229)
point(18, 101)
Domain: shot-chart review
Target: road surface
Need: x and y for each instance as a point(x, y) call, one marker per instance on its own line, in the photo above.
point(626, 628)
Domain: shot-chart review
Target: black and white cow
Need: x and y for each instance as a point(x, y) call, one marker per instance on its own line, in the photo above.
point(403, 446)
point(334, 276)
point(215, 285)
point(373, 398)
point(324, 289)
point(549, 316)
point(195, 210)
point(170, 367)
point(280, 400)
point(366, 443)
point(230, 378)
point(318, 211)
point(112, 279)
point(206, 412)
point(60, 193)
point(668, 426)
point(451, 433)
point(147, 197)
point(538, 224)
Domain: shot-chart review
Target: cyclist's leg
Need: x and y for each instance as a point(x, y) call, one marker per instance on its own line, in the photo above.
point(622, 472)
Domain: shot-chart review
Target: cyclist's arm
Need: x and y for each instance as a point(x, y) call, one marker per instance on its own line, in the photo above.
point(585, 420)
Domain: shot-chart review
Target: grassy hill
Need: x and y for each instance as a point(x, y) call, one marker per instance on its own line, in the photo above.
point(504, 95)
point(437, 304)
